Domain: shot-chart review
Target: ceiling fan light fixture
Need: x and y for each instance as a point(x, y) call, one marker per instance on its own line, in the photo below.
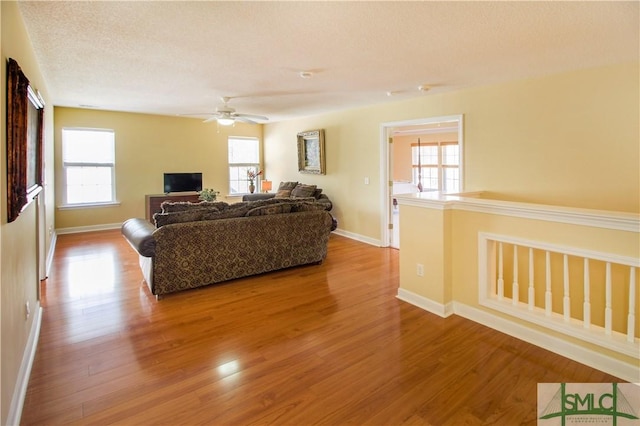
point(225, 121)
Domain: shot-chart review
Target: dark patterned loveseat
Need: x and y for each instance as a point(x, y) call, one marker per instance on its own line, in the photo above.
point(204, 243)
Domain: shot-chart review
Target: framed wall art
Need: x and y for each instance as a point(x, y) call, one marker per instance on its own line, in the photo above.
point(24, 141)
point(311, 152)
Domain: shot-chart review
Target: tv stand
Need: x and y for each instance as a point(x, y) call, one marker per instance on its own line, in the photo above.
point(153, 201)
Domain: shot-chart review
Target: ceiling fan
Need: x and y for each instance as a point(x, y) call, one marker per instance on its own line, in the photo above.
point(226, 115)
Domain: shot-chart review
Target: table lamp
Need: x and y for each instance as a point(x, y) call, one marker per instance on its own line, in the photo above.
point(265, 185)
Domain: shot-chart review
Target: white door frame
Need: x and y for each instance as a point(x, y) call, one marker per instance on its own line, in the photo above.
point(386, 168)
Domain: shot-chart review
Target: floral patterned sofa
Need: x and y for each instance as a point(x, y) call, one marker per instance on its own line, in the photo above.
point(197, 244)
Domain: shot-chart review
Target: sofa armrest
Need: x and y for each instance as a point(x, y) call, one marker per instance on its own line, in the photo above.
point(325, 201)
point(258, 196)
point(139, 233)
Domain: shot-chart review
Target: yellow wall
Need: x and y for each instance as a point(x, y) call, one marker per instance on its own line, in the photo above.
point(18, 239)
point(570, 139)
point(352, 146)
point(422, 243)
point(146, 147)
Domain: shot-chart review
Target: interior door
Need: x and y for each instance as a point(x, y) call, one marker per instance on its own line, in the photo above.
point(390, 158)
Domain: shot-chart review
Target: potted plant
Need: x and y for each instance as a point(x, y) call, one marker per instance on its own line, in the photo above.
point(208, 194)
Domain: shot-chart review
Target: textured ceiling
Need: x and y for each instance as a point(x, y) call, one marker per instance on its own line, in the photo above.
point(181, 57)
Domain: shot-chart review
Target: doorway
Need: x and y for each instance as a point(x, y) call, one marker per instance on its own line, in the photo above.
point(397, 176)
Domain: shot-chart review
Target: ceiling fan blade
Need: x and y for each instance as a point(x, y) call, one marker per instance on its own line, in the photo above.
point(252, 116)
point(244, 119)
point(208, 120)
point(196, 114)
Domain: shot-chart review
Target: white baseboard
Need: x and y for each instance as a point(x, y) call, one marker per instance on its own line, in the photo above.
point(90, 228)
point(358, 237)
point(424, 303)
point(581, 354)
point(20, 390)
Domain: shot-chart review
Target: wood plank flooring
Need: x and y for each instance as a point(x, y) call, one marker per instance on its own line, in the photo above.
point(324, 344)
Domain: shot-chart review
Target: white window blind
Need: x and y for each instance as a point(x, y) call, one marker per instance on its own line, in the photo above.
point(88, 160)
point(244, 154)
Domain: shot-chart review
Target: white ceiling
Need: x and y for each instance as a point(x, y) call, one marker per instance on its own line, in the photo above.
point(174, 57)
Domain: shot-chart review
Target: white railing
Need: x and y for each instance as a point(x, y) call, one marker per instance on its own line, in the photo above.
point(584, 294)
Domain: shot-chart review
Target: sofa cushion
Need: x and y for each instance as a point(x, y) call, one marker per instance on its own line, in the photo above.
point(270, 209)
point(162, 219)
point(180, 206)
point(242, 208)
point(295, 199)
point(307, 206)
point(303, 191)
point(285, 188)
point(256, 203)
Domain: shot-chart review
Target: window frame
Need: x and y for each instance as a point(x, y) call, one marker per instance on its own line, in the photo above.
point(440, 165)
point(245, 165)
point(67, 164)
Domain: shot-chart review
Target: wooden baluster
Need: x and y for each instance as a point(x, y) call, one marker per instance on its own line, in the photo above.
point(547, 293)
point(586, 306)
point(607, 303)
point(631, 316)
point(566, 300)
point(500, 273)
point(532, 292)
point(515, 288)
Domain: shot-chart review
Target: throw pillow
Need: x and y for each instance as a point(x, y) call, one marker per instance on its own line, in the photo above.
point(298, 199)
point(303, 191)
point(317, 193)
point(242, 208)
point(229, 213)
point(162, 219)
point(306, 206)
point(270, 209)
point(285, 188)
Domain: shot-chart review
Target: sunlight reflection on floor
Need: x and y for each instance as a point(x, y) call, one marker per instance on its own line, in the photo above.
point(91, 275)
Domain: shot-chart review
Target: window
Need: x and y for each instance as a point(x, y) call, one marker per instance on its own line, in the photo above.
point(436, 166)
point(244, 154)
point(88, 161)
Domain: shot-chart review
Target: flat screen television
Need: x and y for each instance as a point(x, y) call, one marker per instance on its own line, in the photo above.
point(182, 182)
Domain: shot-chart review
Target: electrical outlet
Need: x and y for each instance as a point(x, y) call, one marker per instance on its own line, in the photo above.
point(27, 310)
point(366, 180)
point(420, 269)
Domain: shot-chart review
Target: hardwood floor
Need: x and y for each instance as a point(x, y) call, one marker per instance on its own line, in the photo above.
point(328, 344)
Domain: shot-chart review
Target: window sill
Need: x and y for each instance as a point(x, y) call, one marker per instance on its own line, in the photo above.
point(88, 205)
